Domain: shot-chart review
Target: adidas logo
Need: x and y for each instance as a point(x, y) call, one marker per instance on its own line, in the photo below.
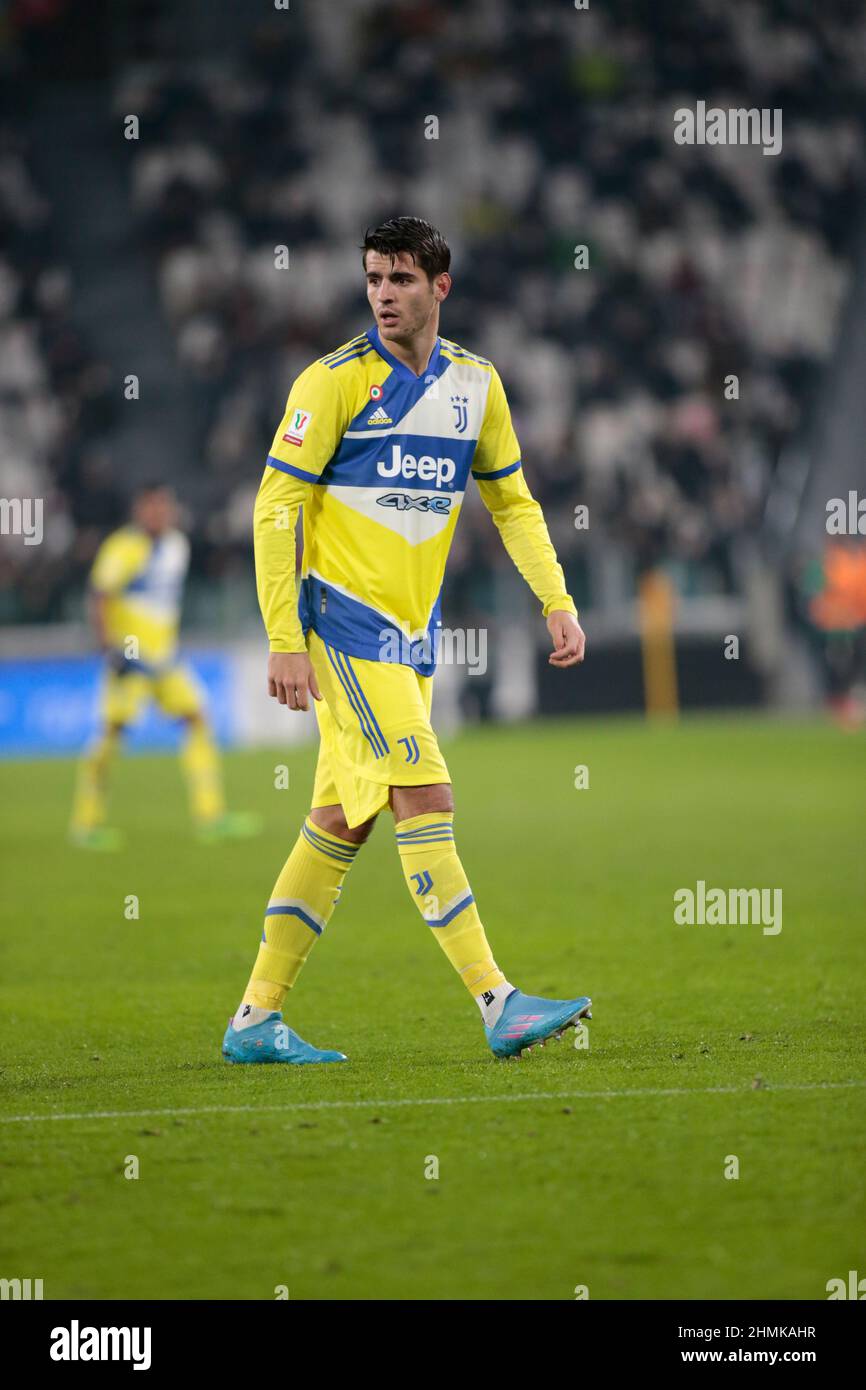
point(380, 418)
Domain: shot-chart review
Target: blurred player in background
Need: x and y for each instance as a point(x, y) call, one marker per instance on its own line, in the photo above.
point(376, 444)
point(833, 592)
point(136, 588)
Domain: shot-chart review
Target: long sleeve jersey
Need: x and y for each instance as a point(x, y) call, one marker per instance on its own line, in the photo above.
point(379, 459)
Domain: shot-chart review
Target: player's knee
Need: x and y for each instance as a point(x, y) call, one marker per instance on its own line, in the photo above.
point(331, 818)
point(419, 801)
point(359, 833)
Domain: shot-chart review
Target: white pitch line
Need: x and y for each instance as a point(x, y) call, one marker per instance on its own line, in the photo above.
point(432, 1100)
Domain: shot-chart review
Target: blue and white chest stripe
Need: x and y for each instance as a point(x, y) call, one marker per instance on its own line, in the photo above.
point(158, 586)
point(411, 476)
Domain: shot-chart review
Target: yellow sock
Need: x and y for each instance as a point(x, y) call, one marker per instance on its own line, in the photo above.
point(88, 809)
point(200, 760)
point(304, 896)
point(441, 892)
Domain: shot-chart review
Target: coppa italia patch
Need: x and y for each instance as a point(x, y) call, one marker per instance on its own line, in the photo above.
point(297, 427)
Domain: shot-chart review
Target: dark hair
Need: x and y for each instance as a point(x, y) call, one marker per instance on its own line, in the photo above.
point(149, 485)
point(424, 243)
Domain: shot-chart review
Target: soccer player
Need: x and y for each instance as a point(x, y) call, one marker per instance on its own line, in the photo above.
point(377, 443)
point(134, 607)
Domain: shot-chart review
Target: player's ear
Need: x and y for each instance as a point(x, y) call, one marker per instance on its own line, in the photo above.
point(442, 286)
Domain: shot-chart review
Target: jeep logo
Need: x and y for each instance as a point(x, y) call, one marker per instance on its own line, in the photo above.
point(426, 469)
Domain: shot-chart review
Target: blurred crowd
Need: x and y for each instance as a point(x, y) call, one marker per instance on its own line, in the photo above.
point(56, 399)
point(657, 386)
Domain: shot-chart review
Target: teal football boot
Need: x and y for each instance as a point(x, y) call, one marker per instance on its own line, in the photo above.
point(272, 1041)
point(103, 838)
point(234, 825)
point(526, 1020)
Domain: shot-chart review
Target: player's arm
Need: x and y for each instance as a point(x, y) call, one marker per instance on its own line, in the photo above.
point(308, 436)
point(280, 497)
point(520, 522)
point(96, 606)
point(117, 562)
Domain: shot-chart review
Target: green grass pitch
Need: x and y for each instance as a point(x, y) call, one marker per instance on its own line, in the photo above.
point(602, 1168)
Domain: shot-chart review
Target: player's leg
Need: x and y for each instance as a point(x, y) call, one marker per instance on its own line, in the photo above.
point(437, 881)
point(384, 734)
point(202, 768)
point(179, 695)
point(120, 702)
point(87, 828)
point(200, 763)
point(301, 904)
point(424, 826)
point(305, 895)
point(303, 900)
point(513, 1021)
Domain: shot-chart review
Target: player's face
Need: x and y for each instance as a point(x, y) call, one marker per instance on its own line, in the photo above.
point(402, 298)
point(156, 511)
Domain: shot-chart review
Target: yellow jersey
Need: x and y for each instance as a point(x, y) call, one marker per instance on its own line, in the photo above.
point(142, 579)
point(380, 458)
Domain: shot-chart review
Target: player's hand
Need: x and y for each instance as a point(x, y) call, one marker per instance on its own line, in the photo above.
point(290, 678)
point(569, 639)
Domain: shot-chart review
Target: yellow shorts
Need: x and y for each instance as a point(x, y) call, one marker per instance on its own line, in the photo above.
point(374, 722)
point(175, 690)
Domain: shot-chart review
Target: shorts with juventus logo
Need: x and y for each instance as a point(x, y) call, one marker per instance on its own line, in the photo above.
point(374, 722)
